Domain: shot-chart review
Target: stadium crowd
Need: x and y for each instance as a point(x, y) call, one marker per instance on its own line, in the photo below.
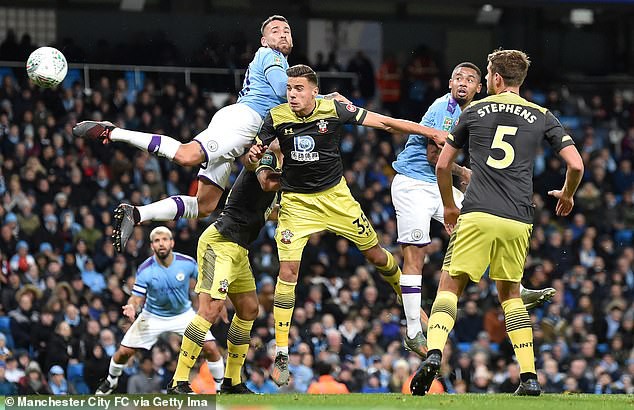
point(63, 285)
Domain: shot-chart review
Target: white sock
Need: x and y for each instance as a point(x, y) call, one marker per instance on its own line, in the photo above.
point(217, 370)
point(281, 349)
point(114, 371)
point(170, 209)
point(410, 286)
point(156, 144)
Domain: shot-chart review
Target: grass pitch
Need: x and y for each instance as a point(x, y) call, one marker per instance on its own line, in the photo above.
point(431, 402)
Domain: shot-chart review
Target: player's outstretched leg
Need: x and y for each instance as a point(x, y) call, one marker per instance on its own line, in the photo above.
point(533, 298)
point(123, 226)
point(98, 130)
point(283, 305)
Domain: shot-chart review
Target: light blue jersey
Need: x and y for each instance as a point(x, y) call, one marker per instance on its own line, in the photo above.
point(412, 161)
point(166, 290)
point(257, 91)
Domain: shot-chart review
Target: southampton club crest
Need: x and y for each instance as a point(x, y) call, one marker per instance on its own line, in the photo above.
point(224, 286)
point(322, 126)
point(286, 236)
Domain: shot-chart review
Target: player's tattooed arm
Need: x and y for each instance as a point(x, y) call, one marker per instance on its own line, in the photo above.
point(337, 97)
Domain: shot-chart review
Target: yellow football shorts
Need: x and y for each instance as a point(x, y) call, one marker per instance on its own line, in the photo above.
point(223, 266)
point(333, 210)
point(482, 239)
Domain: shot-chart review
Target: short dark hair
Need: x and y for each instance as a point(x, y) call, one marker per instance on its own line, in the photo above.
point(302, 70)
point(323, 368)
point(467, 64)
point(275, 17)
point(512, 65)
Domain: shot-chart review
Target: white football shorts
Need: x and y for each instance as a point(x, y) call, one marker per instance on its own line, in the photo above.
point(416, 203)
point(146, 329)
point(231, 130)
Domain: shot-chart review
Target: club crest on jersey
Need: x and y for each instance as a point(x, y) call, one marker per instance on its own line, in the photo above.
point(350, 107)
point(180, 276)
point(322, 126)
point(447, 123)
point(286, 236)
point(224, 286)
point(304, 146)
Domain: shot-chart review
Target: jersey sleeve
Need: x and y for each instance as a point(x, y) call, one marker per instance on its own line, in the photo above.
point(459, 135)
point(193, 270)
point(141, 283)
point(267, 131)
point(268, 161)
point(555, 133)
point(349, 113)
point(271, 60)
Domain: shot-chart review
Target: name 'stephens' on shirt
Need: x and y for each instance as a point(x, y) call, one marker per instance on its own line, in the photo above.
point(507, 108)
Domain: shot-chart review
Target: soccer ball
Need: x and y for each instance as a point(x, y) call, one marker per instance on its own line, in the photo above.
point(46, 67)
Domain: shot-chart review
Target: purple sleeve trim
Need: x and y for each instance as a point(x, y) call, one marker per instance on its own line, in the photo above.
point(180, 207)
point(155, 144)
point(206, 156)
point(410, 289)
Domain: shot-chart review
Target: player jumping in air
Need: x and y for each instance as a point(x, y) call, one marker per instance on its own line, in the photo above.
point(315, 196)
point(231, 130)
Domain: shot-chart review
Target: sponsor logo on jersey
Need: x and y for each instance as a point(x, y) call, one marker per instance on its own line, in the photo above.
point(447, 123)
point(350, 107)
point(286, 236)
point(180, 276)
point(304, 146)
point(288, 131)
point(322, 126)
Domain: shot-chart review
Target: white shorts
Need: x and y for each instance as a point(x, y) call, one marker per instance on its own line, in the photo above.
point(231, 130)
point(416, 203)
point(146, 329)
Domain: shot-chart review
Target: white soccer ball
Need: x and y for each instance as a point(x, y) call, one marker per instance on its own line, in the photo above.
point(46, 67)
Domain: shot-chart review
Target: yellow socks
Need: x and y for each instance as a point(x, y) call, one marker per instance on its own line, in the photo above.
point(391, 273)
point(442, 320)
point(192, 344)
point(520, 330)
point(283, 304)
point(238, 339)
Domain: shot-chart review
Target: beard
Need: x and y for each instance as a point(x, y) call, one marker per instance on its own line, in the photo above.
point(163, 254)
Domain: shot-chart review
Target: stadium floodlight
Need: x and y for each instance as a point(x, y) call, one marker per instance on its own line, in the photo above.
point(132, 5)
point(581, 17)
point(488, 15)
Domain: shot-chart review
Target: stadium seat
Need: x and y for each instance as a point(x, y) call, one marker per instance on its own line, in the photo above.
point(5, 327)
point(72, 76)
point(75, 371)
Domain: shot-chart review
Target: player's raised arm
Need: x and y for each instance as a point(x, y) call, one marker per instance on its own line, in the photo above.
point(395, 125)
point(268, 172)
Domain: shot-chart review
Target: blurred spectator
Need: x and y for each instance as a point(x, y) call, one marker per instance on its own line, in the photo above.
point(258, 383)
point(147, 380)
point(326, 384)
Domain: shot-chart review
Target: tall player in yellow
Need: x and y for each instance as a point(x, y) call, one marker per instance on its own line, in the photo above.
point(503, 133)
point(315, 196)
